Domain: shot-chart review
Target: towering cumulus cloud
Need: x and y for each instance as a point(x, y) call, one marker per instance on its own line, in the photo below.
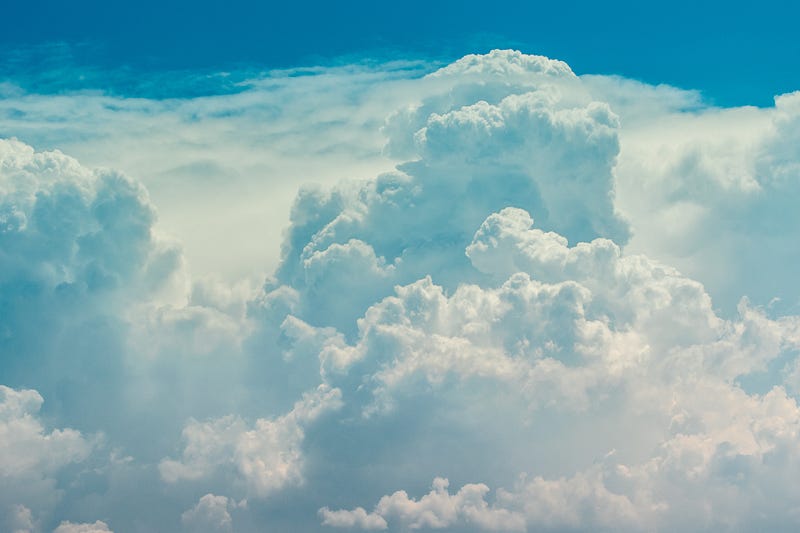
point(77, 250)
point(606, 381)
point(479, 340)
point(537, 151)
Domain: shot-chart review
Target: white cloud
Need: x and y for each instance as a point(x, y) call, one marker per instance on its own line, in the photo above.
point(69, 527)
point(211, 514)
point(709, 192)
point(586, 331)
point(504, 64)
point(720, 466)
point(26, 446)
point(539, 151)
point(244, 154)
point(358, 518)
point(265, 459)
point(562, 321)
point(574, 371)
point(621, 337)
point(30, 456)
point(72, 228)
point(80, 263)
point(436, 510)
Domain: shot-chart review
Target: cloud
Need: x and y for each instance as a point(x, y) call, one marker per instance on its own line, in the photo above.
point(27, 448)
point(579, 502)
point(619, 337)
point(31, 457)
point(708, 193)
point(500, 310)
point(485, 77)
point(81, 262)
point(429, 291)
point(18, 519)
point(69, 527)
point(211, 514)
point(436, 510)
point(698, 480)
point(358, 518)
point(229, 150)
point(564, 318)
point(265, 458)
point(503, 64)
point(83, 230)
point(535, 151)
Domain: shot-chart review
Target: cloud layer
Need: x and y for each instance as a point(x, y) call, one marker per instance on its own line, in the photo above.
point(544, 318)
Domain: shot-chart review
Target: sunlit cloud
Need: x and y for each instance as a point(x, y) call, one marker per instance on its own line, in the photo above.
point(494, 295)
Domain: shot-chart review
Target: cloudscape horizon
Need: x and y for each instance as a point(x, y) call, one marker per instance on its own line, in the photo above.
point(487, 294)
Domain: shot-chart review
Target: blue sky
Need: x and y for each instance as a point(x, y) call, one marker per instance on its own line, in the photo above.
point(450, 267)
point(737, 53)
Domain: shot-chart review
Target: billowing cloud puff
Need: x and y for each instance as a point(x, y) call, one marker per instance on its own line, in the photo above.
point(211, 514)
point(712, 195)
point(566, 152)
point(89, 232)
point(473, 78)
point(31, 457)
point(265, 458)
point(436, 510)
point(535, 151)
point(69, 527)
point(503, 64)
point(77, 254)
point(358, 518)
point(27, 449)
point(571, 317)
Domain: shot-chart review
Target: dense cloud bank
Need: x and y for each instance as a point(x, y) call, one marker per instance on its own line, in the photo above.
point(490, 337)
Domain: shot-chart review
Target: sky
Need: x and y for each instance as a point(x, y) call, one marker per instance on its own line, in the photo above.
point(736, 52)
point(399, 267)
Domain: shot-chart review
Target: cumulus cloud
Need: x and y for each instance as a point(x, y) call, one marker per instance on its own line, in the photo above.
point(265, 458)
point(501, 310)
point(485, 77)
point(358, 518)
point(78, 253)
point(709, 193)
point(230, 150)
point(436, 510)
point(536, 151)
point(18, 519)
point(92, 300)
point(69, 527)
point(71, 228)
point(620, 336)
point(27, 448)
point(446, 295)
point(211, 514)
point(503, 65)
point(571, 318)
point(31, 456)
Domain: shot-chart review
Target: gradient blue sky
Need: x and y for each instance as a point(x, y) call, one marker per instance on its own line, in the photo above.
point(736, 52)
